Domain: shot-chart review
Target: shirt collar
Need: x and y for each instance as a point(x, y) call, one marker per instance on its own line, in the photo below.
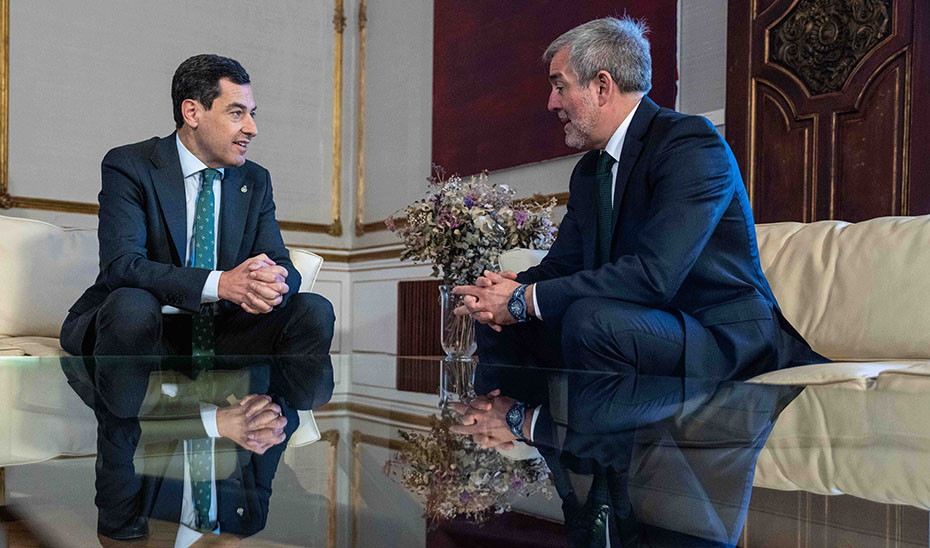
point(615, 144)
point(190, 164)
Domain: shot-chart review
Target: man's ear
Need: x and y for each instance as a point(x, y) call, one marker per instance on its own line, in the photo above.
point(191, 111)
point(605, 86)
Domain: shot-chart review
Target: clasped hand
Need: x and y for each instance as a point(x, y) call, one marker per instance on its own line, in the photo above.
point(257, 285)
point(254, 423)
point(485, 420)
point(486, 301)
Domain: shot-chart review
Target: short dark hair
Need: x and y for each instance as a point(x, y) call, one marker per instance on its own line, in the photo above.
point(199, 78)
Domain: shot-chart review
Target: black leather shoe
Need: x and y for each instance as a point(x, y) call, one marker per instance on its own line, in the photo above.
point(134, 529)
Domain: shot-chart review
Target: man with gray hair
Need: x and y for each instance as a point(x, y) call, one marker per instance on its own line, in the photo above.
point(655, 270)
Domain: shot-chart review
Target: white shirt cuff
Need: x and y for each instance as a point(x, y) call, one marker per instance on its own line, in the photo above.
point(536, 311)
point(208, 416)
point(533, 424)
point(211, 289)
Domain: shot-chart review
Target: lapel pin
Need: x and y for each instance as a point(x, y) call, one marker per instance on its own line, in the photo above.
point(243, 189)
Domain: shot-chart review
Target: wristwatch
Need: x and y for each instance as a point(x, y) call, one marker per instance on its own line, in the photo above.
point(517, 304)
point(515, 417)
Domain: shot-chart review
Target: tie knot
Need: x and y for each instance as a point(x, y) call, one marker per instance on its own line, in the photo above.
point(604, 162)
point(209, 175)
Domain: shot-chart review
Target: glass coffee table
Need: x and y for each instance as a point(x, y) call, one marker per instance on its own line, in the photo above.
point(370, 461)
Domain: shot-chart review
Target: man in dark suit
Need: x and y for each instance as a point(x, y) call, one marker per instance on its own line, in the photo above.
point(655, 270)
point(191, 257)
point(149, 240)
point(146, 413)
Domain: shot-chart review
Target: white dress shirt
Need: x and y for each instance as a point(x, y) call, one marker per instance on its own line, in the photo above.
point(614, 148)
point(192, 170)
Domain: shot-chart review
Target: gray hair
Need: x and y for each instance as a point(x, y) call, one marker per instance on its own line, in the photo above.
point(615, 45)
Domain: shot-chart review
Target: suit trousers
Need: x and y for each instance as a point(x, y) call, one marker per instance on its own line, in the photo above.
point(606, 348)
point(620, 366)
point(130, 323)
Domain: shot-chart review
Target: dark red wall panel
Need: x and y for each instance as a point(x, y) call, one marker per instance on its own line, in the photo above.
point(490, 88)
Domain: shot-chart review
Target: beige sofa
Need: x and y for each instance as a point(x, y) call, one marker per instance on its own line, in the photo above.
point(858, 293)
point(43, 270)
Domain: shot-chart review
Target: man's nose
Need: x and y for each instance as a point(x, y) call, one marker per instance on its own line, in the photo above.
point(249, 127)
point(554, 103)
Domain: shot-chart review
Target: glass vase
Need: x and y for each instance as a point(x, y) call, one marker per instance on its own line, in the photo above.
point(456, 381)
point(457, 332)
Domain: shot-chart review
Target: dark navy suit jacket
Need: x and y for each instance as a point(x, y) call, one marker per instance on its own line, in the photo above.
point(142, 231)
point(683, 241)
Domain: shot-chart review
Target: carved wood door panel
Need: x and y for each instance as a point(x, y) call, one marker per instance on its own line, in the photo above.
point(826, 108)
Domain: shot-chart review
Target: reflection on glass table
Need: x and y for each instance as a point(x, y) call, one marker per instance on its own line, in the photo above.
point(621, 460)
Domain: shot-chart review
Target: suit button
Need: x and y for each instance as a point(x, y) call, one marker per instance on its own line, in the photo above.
point(239, 512)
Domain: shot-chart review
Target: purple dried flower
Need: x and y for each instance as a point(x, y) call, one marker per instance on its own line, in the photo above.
point(520, 216)
point(389, 223)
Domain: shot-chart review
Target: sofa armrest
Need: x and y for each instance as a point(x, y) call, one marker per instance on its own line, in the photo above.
point(308, 264)
point(520, 259)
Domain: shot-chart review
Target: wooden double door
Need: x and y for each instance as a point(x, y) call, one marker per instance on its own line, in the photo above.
point(827, 108)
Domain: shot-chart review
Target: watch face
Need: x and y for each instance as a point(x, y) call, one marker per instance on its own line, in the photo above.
point(513, 416)
point(516, 308)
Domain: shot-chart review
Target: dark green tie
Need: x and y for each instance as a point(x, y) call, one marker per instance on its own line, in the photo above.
point(603, 202)
point(200, 451)
point(200, 462)
point(202, 257)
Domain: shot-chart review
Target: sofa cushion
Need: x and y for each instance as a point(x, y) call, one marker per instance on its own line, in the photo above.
point(866, 437)
point(855, 291)
point(45, 269)
point(858, 375)
point(30, 346)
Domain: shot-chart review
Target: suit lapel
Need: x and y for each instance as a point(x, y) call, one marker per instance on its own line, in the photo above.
point(234, 207)
point(169, 187)
point(632, 146)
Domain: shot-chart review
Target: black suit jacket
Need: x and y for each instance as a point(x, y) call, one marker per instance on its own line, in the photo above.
point(142, 230)
point(683, 241)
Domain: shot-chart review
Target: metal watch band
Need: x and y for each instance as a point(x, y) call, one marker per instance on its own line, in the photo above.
point(516, 416)
point(517, 304)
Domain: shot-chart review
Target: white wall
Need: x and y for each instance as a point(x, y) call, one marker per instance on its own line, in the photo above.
point(88, 76)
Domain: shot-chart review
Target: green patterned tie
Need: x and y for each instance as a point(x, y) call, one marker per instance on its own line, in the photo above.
point(200, 451)
point(200, 462)
point(202, 257)
point(604, 206)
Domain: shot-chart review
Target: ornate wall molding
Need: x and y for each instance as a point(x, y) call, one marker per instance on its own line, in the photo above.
point(822, 41)
point(355, 489)
point(360, 226)
point(376, 412)
point(5, 198)
point(332, 438)
point(339, 24)
point(561, 199)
